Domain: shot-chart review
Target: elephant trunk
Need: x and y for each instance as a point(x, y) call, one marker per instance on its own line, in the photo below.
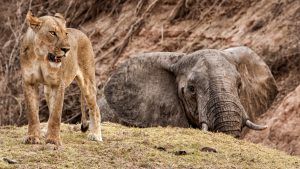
point(225, 111)
point(226, 116)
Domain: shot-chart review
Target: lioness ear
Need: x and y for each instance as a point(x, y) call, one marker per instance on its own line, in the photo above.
point(60, 16)
point(32, 21)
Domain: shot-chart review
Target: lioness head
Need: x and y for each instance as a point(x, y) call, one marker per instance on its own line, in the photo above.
point(51, 36)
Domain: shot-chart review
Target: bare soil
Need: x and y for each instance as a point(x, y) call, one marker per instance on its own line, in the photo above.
point(284, 131)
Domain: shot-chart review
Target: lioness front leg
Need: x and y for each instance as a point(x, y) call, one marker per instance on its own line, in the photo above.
point(56, 98)
point(31, 99)
point(47, 95)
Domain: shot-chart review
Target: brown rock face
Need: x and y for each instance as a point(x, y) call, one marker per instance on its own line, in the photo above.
point(284, 126)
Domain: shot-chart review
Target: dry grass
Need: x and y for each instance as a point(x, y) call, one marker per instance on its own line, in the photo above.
point(125, 147)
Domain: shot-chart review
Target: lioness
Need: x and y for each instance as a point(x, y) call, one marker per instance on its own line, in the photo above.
point(54, 56)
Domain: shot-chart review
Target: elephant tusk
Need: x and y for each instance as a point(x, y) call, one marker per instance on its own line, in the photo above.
point(254, 126)
point(204, 127)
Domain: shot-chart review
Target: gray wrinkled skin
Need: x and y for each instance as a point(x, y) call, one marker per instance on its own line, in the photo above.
point(218, 89)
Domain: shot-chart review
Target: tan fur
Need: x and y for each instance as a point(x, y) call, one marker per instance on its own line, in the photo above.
point(77, 63)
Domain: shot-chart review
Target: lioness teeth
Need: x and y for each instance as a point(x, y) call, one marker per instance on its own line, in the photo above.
point(53, 58)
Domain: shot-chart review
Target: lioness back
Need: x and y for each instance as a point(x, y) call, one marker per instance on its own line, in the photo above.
point(84, 46)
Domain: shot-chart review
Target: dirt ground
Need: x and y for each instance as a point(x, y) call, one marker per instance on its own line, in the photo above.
point(283, 132)
point(121, 28)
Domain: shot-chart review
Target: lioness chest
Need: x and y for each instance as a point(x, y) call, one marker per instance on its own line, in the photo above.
point(51, 74)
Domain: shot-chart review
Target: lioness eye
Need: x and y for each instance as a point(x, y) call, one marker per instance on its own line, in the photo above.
point(52, 33)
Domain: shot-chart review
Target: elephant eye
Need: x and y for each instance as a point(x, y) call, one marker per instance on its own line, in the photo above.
point(191, 88)
point(239, 84)
point(239, 88)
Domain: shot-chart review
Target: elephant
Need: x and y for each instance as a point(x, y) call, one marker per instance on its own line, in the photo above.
point(213, 90)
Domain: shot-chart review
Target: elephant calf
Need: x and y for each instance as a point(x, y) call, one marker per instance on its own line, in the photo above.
point(215, 90)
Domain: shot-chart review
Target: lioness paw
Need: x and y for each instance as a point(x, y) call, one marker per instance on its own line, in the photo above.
point(31, 140)
point(55, 141)
point(84, 127)
point(95, 137)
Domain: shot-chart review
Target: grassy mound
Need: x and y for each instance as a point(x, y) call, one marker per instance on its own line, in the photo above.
point(125, 147)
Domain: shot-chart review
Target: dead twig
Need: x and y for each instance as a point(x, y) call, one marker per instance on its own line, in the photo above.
point(175, 12)
point(139, 7)
point(4, 97)
point(72, 118)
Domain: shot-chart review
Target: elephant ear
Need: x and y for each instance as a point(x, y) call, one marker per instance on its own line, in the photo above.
point(258, 88)
point(142, 92)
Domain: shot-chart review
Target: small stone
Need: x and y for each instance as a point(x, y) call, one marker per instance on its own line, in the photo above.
point(180, 152)
point(160, 148)
point(10, 161)
point(208, 149)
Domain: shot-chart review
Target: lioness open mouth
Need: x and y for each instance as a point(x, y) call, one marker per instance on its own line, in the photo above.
point(53, 58)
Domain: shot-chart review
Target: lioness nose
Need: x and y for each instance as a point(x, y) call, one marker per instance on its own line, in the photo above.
point(65, 49)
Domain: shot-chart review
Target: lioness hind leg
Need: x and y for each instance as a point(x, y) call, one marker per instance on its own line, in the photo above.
point(84, 122)
point(31, 98)
point(88, 88)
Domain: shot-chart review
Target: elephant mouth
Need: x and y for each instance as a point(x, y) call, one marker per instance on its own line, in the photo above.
point(228, 117)
point(233, 128)
point(225, 114)
point(55, 58)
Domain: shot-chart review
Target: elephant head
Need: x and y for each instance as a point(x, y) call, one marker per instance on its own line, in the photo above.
point(213, 90)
